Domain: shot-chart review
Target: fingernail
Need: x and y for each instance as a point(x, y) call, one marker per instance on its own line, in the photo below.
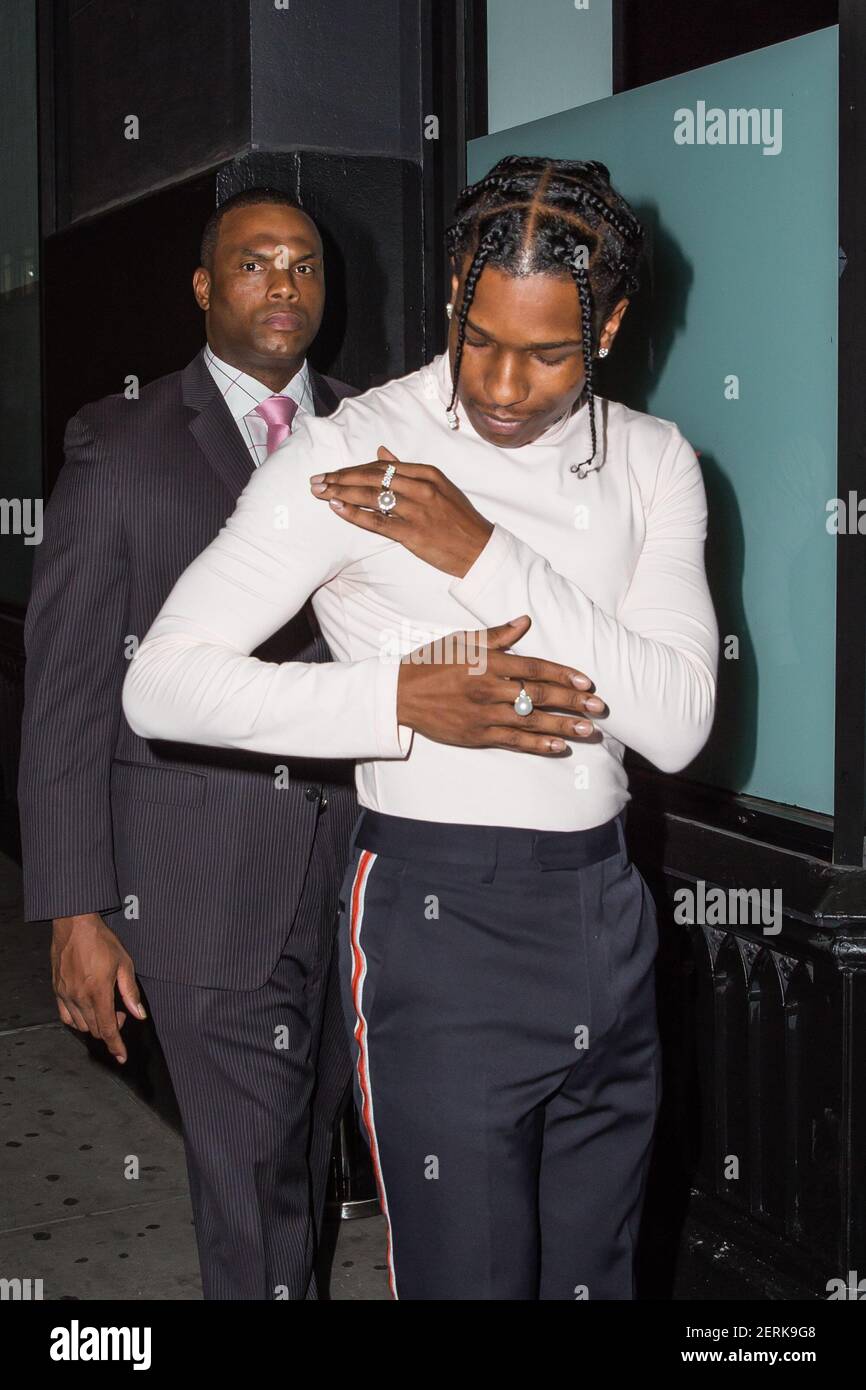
point(581, 682)
point(318, 487)
point(141, 1012)
point(594, 703)
point(557, 745)
point(582, 727)
point(317, 477)
point(338, 506)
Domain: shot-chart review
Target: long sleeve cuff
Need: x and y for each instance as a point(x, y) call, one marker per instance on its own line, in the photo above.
point(395, 739)
point(478, 587)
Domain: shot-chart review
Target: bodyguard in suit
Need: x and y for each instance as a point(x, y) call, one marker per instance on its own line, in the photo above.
point(213, 876)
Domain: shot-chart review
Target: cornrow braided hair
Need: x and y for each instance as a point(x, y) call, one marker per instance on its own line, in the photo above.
point(532, 215)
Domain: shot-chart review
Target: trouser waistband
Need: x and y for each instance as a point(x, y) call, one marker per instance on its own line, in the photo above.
point(486, 846)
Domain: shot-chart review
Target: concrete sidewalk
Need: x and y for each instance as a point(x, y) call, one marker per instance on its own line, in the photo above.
point(93, 1188)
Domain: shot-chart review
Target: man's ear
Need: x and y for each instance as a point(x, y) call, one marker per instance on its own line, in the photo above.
point(201, 287)
point(612, 326)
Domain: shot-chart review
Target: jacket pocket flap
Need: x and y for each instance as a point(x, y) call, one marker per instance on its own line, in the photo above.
point(167, 786)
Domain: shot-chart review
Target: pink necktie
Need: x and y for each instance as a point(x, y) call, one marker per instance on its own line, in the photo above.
point(278, 412)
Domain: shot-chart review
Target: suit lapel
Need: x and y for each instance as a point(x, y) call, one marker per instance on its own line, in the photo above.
point(213, 427)
point(325, 398)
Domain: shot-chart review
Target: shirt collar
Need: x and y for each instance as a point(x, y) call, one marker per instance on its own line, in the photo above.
point(242, 392)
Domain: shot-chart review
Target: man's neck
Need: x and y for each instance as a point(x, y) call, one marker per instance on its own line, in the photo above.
point(275, 378)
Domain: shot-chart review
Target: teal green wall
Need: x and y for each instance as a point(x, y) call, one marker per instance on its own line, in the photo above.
point(744, 281)
point(545, 56)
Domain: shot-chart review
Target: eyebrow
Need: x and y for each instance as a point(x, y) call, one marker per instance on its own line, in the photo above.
point(530, 347)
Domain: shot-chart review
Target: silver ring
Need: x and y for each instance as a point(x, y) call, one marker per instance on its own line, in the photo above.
point(523, 704)
point(386, 501)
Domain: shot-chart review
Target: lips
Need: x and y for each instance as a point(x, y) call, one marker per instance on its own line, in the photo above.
point(503, 424)
point(288, 322)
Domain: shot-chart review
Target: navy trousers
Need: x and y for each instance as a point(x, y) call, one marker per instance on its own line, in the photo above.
point(499, 989)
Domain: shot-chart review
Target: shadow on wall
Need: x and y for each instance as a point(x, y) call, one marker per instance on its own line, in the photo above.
point(655, 317)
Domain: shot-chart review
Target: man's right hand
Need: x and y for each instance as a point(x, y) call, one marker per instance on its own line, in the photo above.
point(452, 701)
point(86, 961)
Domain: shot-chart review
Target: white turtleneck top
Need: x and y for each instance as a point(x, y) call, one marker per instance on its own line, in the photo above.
point(610, 568)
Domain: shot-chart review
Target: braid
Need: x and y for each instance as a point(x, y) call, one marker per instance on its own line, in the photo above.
point(585, 292)
point(486, 245)
point(530, 215)
point(568, 256)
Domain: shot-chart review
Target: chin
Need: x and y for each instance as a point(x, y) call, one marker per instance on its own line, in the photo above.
point(283, 345)
point(501, 443)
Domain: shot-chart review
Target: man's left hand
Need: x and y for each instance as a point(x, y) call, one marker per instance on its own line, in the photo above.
point(432, 517)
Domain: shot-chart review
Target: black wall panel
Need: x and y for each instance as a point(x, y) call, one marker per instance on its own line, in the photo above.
point(652, 41)
point(337, 75)
point(118, 300)
point(182, 68)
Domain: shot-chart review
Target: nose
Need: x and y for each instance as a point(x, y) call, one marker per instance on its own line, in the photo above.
point(505, 384)
point(282, 284)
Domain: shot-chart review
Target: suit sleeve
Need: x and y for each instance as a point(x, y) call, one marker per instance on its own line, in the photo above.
point(654, 660)
point(75, 665)
point(193, 678)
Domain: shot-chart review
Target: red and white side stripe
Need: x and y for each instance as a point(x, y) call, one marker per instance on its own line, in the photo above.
point(359, 973)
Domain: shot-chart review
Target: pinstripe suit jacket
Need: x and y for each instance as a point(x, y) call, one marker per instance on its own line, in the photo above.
point(194, 856)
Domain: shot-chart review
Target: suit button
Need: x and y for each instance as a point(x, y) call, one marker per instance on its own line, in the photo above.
point(312, 793)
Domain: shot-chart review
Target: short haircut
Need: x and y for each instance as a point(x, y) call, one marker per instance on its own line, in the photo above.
point(248, 198)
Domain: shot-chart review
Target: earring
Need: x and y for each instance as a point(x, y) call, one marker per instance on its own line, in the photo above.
point(449, 309)
point(602, 352)
point(451, 417)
